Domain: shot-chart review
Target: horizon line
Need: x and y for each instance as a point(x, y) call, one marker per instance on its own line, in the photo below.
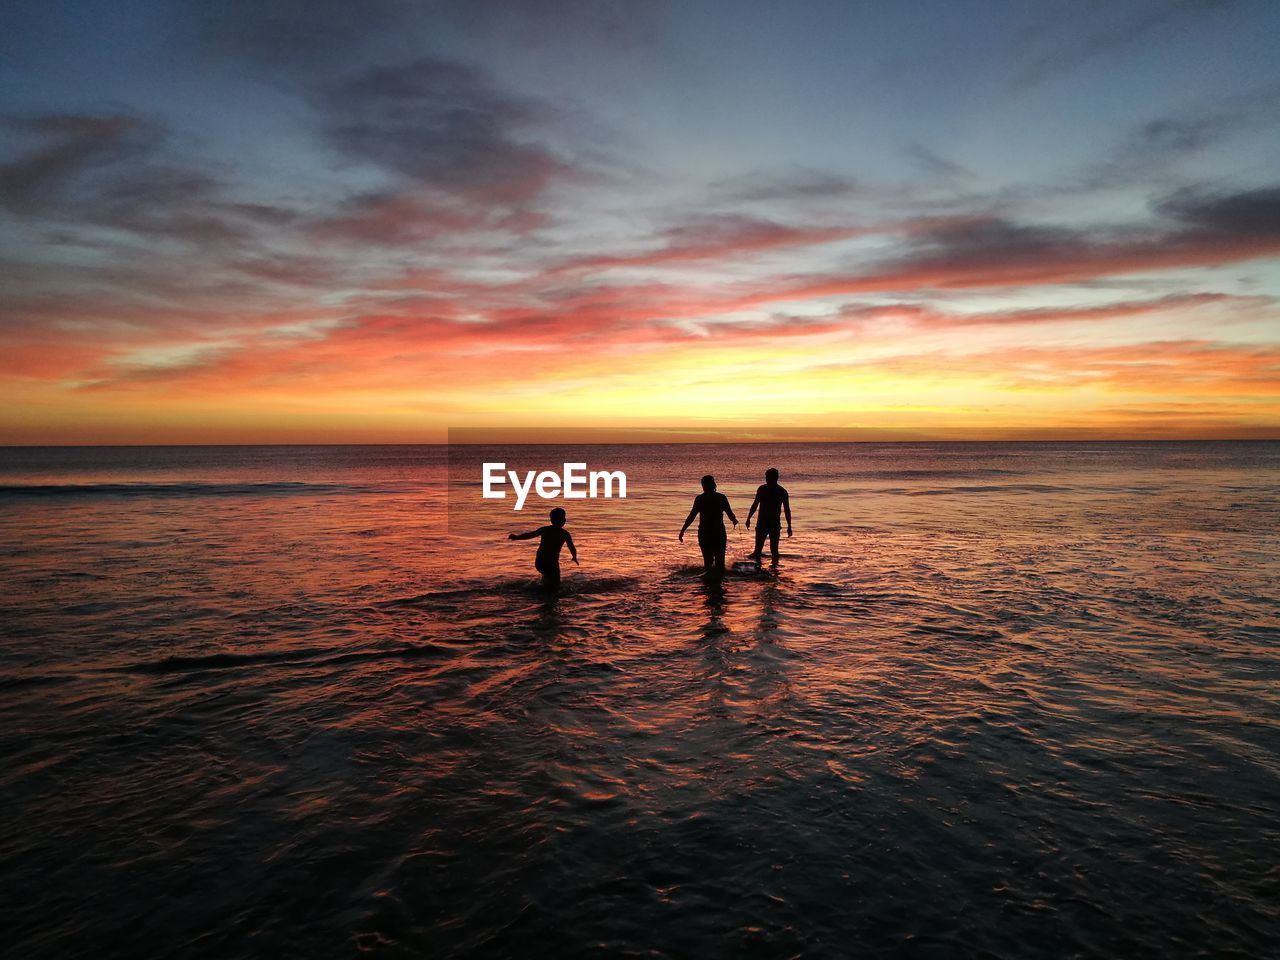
point(641, 443)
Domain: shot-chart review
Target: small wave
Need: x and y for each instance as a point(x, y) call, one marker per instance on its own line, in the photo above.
point(934, 474)
point(20, 682)
point(217, 661)
point(314, 657)
point(578, 585)
point(181, 489)
point(590, 586)
point(989, 488)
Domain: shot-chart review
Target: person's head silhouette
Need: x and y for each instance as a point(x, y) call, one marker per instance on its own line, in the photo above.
point(558, 517)
point(708, 483)
point(771, 475)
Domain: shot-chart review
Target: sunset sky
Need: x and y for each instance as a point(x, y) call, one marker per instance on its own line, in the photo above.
point(331, 222)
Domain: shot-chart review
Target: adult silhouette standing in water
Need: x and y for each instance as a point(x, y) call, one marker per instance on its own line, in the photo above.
point(771, 499)
point(710, 507)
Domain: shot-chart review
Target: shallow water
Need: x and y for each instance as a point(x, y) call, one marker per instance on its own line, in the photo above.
point(998, 700)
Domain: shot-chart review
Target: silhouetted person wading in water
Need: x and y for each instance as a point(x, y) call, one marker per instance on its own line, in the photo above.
point(553, 537)
point(710, 508)
point(772, 499)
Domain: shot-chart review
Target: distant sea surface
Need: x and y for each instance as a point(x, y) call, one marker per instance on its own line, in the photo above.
point(999, 700)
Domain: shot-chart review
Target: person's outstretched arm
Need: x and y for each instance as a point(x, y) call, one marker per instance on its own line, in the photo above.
point(689, 519)
point(729, 510)
point(752, 512)
point(523, 536)
point(786, 505)
point(573, 551)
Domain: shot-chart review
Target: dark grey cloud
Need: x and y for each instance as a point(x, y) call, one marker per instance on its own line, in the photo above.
point(446, 126)
point(964, 244)
point(114, 185)
point(60, 150)
point(114, 171)
point(1193, 228)
point(1247, 214)
point(1178, 134)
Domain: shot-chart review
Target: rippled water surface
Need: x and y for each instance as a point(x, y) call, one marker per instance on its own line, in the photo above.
point(999, 700)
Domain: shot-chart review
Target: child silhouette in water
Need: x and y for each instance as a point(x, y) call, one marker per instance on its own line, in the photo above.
point(553, 537)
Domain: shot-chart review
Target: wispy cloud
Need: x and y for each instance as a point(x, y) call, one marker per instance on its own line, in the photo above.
point(763, 186)
point(725, 238)
point(936, 165)
point(1061, 38)
point(114, 171)
point(62, 149)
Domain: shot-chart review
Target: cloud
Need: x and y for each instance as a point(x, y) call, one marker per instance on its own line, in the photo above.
point(115, 171)
point(1251, 214)
point(417, 338)
point(426, 355)
point(1186, 367)
point(921, 317)
point(892, 321)
point(988, 252)
point(447, 127)
point(724, 238)
point(302, 37)
point(1153, 149)
point(621, 24)
point(783, 185)
point(408, 218)
point(550, 312)
point(936, 165)
point(307, 38)
point(1063, 37)
point(67, 147)
point(1190, 368)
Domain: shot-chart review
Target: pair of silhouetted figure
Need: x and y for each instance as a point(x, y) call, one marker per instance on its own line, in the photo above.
point(710, 507)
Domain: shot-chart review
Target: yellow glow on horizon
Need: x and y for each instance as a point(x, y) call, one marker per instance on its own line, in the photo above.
point(864, 388)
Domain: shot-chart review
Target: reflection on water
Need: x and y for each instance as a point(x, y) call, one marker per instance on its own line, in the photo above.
point(998, 700)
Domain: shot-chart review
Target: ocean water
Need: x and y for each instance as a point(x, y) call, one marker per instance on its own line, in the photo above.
point(997, 700)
